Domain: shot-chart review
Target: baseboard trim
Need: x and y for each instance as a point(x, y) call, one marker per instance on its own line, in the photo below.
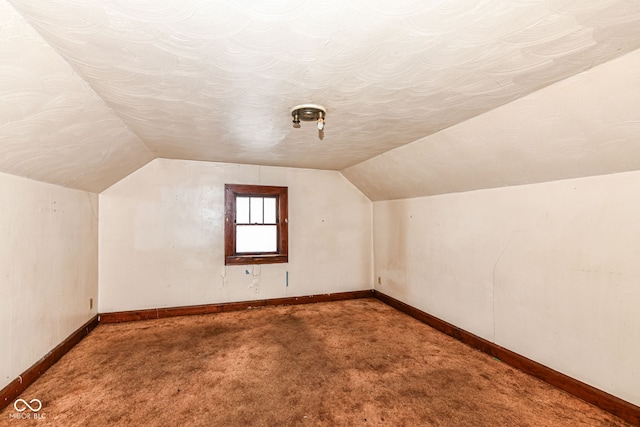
point(9, 393)
point(603, 400)
point(607, 402)
point(159, 313)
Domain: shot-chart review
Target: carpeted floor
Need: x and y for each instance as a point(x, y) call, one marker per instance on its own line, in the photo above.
point(349, 363)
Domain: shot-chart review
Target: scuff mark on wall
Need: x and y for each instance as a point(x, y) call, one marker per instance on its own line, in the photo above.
point(255, 278)
point(223, 276)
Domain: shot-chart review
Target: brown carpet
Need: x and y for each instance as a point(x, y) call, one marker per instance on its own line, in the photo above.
point(349, 363)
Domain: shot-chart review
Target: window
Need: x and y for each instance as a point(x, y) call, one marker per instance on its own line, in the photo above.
point(256, 224)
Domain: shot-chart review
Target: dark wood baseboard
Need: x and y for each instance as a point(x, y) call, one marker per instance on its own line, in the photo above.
point(605, 401)
point(158, 313)
point(18, 385)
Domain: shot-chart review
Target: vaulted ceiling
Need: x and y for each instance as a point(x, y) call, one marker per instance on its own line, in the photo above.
point(92, 90)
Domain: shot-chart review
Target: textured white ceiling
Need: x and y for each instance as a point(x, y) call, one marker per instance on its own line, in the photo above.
point(104, 86)
point(585, 125)
point(53, 126)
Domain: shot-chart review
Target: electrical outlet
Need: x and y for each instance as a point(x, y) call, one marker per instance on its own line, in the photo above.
point(90, 303)
point(379, 280)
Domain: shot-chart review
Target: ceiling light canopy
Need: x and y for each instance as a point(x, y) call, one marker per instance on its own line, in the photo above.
point(308, 113)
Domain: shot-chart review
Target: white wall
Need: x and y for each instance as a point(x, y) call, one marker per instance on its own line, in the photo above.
point(550, 271)
point(162, 237)
point(48, 269)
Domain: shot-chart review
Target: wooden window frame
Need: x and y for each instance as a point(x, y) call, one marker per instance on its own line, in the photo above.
point(231, 257)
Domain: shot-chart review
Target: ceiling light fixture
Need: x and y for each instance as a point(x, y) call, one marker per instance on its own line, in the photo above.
point(308, 113)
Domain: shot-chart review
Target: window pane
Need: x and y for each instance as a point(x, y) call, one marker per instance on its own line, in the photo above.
point(256, 210)
point(242, 210)
point(256, 238)
point(269, 210)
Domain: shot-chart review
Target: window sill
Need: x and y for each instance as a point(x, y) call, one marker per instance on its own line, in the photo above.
point(256, 259)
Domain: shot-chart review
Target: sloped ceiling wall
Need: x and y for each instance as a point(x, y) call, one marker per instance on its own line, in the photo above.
point(586, 125)
point(53, 126)
point(92, 90)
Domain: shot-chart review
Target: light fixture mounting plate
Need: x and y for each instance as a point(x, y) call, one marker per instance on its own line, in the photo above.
point(308, 112)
